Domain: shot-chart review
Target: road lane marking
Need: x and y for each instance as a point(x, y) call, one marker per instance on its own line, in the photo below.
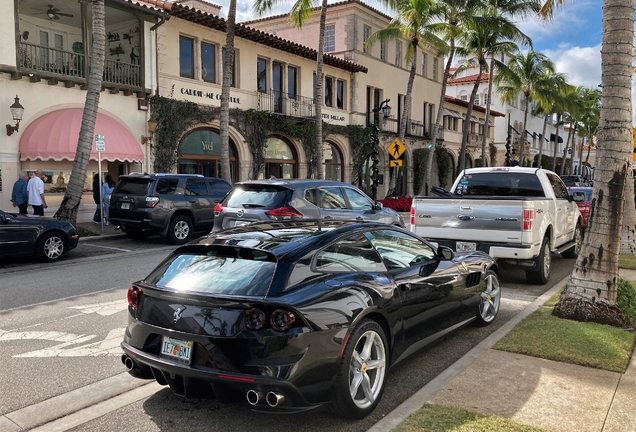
point(103, 309)
point(107, 247)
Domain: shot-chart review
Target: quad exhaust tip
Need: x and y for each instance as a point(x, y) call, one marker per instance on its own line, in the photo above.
point(254, 397)
point(274, 399)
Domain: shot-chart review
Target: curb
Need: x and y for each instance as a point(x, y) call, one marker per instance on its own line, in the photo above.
point(419, 399)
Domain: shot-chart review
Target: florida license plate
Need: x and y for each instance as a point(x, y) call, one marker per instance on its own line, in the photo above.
point(125, 206)
point(240, 223)
point(176, 349)
point(465, 246)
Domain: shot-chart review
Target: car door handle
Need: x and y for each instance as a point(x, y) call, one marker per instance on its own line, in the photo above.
point(405, 287)
point(327, 217)
point(360, 218)
point(192, 201)
point(465, 217)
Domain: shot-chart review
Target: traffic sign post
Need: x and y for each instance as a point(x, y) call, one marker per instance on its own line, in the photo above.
point(396, 149)
point(100, 146)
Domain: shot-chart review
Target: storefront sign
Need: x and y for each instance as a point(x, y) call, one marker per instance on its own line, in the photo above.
point(333, 117)
point(207, 95)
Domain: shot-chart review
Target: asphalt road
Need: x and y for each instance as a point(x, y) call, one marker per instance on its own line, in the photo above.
point(40, 299)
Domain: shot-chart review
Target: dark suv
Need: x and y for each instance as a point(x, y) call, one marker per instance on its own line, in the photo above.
point(171, 205)
point(278, 199)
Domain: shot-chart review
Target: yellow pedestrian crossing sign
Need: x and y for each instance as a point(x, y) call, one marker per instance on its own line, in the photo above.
point(395, 163)
point(396, 149)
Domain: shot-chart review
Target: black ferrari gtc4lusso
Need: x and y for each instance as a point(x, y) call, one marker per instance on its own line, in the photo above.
point(297, 315)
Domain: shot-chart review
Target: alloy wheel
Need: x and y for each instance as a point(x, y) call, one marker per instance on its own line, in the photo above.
point(490, 299)
point(367, 369)
point(547, 258)
point(181, 230)
point(53, 247)
point(578, 240)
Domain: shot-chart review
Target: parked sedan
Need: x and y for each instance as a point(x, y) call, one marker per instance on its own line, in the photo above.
point(47, 239)
point(277, 199)
point(297, 315)
point(583, 198)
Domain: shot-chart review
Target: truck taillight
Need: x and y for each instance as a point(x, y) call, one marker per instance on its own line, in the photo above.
point(528, 219)
point(412, 217)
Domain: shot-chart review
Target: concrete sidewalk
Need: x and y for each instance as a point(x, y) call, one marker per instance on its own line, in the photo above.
point(97, 228)
point(543, 393)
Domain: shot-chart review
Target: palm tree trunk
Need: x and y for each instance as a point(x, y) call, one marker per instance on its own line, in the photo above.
point(70, 203)
point(556, 142)
point(565, 151)
point(486, 125)
point(466, 125)
point(592, 289)
point(580, 168)
point(317, 162)
point(589, 148)
point(571, 167)
point(542, 138)
point(438, 121)
point(228, 68)
point(522, 143)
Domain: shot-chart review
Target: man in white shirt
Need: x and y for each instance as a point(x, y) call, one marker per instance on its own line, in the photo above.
point(35, 190)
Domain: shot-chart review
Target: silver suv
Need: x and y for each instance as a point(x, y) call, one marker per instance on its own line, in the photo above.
point(275, 199)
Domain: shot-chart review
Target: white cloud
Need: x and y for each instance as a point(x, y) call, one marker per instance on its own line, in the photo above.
point(582, 65)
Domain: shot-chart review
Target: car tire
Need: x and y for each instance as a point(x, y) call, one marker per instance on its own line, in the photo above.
point(364, 364)
point(573, 252)
point(51, 247)
point(180, 230)
point(490, 299)
point(542, 264)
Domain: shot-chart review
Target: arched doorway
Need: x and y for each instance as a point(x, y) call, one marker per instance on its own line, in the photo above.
point(332, 161)
point(280, 160)
point(201, 154)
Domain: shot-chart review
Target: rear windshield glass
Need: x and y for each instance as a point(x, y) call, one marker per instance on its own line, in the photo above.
point(220, 270)
point(258, 196)
point(132, 186)
point(500, 184)
point(588, 193)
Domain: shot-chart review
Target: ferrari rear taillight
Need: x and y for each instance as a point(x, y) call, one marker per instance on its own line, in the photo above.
point(134, 297)
point(528, 219)
point(279, 319)
point(282, 213)
point(151, 202)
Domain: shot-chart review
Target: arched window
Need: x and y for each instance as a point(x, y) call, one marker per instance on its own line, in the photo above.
point(280, 160)
point(201, 154)
point(332, 161)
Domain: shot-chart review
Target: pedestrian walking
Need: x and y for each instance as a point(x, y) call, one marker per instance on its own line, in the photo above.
point(107, 189)
point(19, 195)
point(96, 187)
point(35, 189)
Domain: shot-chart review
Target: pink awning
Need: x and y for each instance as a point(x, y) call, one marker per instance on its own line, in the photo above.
point(54, 137)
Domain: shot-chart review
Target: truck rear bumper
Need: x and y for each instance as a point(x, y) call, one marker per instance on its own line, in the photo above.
point(498, 250)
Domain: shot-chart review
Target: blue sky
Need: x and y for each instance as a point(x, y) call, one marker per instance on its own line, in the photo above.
point(572, 40)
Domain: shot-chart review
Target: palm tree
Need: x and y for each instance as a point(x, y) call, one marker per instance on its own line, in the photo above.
point(413, 21)
point(512, 9)
point(484, 37)
point(524, 74)
point(70, 203)
point(453, 15)
point(575, 108)
point(549, 96)
point(228, 68)
point(593, 285)
point(299, 14)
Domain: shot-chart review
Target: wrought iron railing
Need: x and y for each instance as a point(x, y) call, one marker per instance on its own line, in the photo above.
point(283, 103)
point(52, 60)
point(118, 72)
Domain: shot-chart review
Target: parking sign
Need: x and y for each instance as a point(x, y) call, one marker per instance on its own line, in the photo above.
point(100, 143)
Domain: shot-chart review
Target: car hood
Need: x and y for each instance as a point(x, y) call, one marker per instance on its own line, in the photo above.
point(39, 221)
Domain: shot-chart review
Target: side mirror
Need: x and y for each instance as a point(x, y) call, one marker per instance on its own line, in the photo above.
point(377, 206)
point(445, 253)
point(578, 196)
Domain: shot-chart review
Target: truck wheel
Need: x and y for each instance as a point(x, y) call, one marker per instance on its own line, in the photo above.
point(180, 230)
point(541, 275)
point(573, 252)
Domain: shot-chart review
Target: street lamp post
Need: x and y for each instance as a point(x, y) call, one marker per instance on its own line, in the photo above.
point(386, 112)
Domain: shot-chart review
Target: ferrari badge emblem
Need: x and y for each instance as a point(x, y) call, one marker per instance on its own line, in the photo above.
point(465, 266)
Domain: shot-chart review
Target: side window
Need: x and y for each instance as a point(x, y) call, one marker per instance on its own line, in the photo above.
point(560, 191)
point(167, 186)
point(313, 196)
point(332, 198)
point(357, 200)
point(353, 254)
point(218, 188)
point(399, 250)
point(196, 187)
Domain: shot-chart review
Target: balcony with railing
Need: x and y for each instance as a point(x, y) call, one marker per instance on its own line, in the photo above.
point(47, 60)
point(278, 102)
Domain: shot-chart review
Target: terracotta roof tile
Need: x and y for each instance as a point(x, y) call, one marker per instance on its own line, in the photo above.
point(468, 78)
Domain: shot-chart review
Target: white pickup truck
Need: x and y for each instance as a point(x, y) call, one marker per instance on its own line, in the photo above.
point(515, 214)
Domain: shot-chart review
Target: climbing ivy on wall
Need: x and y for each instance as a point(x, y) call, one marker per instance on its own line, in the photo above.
point(175, 117)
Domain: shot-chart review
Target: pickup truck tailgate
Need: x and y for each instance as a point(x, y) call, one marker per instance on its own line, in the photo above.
point(492, 221)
